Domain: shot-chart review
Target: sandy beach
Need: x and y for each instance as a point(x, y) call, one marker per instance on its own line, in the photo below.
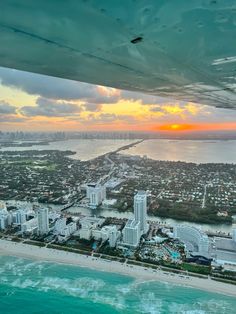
point(140, 273)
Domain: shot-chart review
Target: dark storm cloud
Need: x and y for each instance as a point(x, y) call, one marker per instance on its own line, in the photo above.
point(50, 108)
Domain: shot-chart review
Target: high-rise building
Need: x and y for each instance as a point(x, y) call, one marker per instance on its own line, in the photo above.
point(195, 240)
point(20, 216)
point(30, 226)
point(131, 233)
point(138, 226)
point(3, 222)
point(140, 210)
point(43, 221)
point(96, 194)
point(4, 216)
point(90, 188)
point(60, 225)
point(113, 236)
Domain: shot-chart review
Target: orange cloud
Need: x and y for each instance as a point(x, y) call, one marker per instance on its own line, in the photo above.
point(175, 109)
point(193, 109)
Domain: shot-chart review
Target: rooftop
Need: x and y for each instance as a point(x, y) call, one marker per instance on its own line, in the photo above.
point(223, 244)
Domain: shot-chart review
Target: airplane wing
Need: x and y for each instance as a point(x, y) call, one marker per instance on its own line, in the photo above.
point(180, 49)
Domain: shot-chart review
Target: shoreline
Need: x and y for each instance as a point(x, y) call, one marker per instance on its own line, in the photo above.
point(139, 273)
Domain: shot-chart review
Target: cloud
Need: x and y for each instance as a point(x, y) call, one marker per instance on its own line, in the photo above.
point(7, 118)
point(108, 119)
point(6, 108)
point(46, 86)
point(56, 88)
point(183, 111)
point(144, 98)
point(97, 99)
point(193, 109)
point(92, 107)
point(103, 117)
point(63, 89)
point(156, 109)
point(50, 108)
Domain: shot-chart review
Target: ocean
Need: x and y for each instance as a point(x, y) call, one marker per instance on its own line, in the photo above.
point(38, 287)
point(81, 147)
point(205, 151)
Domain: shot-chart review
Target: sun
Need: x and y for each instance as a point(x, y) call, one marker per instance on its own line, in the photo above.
point(181, 127)
point(176, 127)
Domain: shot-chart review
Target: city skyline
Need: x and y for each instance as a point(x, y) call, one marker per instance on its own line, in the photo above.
point(33, 102)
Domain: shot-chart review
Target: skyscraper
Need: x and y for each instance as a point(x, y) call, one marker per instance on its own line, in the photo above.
point(140, 210)
point(43, 221)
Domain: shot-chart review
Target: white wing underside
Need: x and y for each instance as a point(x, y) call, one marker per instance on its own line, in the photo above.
point(181, 49)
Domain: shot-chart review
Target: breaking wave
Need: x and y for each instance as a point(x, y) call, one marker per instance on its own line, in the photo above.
point(121, 294)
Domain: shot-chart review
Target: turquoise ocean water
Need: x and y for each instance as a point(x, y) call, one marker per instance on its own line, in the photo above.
point(40, 287)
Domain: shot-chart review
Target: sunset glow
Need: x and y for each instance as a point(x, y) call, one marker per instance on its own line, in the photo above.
point(176, 127)
point(32, 102)
point(197, 127)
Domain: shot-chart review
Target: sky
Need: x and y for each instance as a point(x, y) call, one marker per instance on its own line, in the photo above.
point(33, 102)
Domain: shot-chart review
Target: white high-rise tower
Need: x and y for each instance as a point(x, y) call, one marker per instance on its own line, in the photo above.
point(43, 221)
point(138, 226)
point(140, 210)
point(96, 194)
